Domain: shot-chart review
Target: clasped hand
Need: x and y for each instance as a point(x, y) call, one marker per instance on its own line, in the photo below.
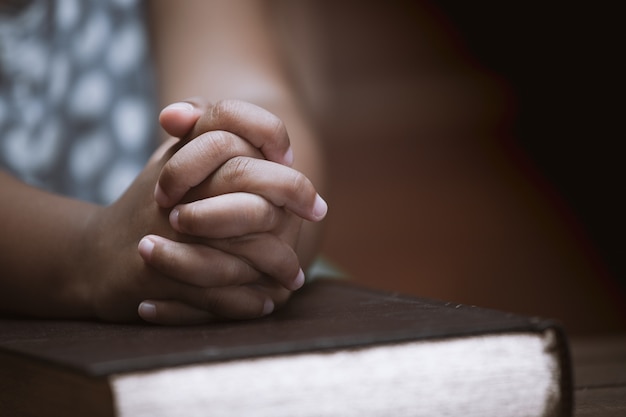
point(213, 221)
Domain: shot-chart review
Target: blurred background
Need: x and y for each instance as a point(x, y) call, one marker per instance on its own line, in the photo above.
point(472, 150)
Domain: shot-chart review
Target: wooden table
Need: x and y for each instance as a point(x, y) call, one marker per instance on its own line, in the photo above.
point(600, 376)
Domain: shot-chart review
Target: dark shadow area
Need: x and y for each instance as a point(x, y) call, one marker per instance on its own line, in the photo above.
point(564, 64)
point(473, 151)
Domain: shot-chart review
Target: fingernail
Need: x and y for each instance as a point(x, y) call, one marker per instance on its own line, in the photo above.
point(320, 208)
point(268, 307)
point(147, 310)
point(288, 157)
point(146, 245)
point(160, 197)
point(181, 106)
point(174, 219)
point(299, 281)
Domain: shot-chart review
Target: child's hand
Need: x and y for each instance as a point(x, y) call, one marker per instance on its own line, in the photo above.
point(115, 279)
point(240, 220)
point(250, 215)
point(190, 119)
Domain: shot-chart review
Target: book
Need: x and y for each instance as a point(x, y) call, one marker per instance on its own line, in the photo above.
point(336, 349)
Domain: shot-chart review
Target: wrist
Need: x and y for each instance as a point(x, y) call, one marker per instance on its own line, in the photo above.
point(82, 265)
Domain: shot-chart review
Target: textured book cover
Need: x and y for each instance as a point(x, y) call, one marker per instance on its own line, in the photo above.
point(324, 318)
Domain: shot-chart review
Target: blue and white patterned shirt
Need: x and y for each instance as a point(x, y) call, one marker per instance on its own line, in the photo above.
point(77, 96)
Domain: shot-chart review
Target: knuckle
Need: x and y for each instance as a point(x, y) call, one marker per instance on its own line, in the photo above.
point(277, 126)
point(164, 260)
point(236, 170)
point(270, 216)
point(229, 272)
point(217, 110)
point(240, 272)
point(224, 111)
point(260, 213)
point(226, 270)
point(280, 261)
point(216, 142)
point(170, 170)
point(300, 183)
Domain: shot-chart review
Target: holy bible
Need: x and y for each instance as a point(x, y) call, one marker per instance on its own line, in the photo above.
point(336, 349)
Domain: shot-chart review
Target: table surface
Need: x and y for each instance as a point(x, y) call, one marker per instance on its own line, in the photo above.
point(600, 376)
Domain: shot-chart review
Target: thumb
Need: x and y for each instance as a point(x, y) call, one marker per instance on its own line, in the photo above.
point(179, 118)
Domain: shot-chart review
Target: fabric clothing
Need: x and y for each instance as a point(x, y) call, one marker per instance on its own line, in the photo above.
point(77, 95)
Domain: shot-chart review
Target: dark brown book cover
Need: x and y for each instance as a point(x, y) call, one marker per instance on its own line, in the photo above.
point(325, 316)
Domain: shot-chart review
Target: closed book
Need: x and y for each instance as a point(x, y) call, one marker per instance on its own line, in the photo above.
point(336, 349)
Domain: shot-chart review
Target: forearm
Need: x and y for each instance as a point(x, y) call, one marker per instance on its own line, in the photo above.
point(40, 251)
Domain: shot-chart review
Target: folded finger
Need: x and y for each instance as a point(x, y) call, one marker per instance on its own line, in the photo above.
point(173, 312)
point(237, 302)
point(196, 161)
point(281, 185)
point(267, 254)
point(195, 264)
point(210, 305)
point(226, 215)
point(264, 130)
